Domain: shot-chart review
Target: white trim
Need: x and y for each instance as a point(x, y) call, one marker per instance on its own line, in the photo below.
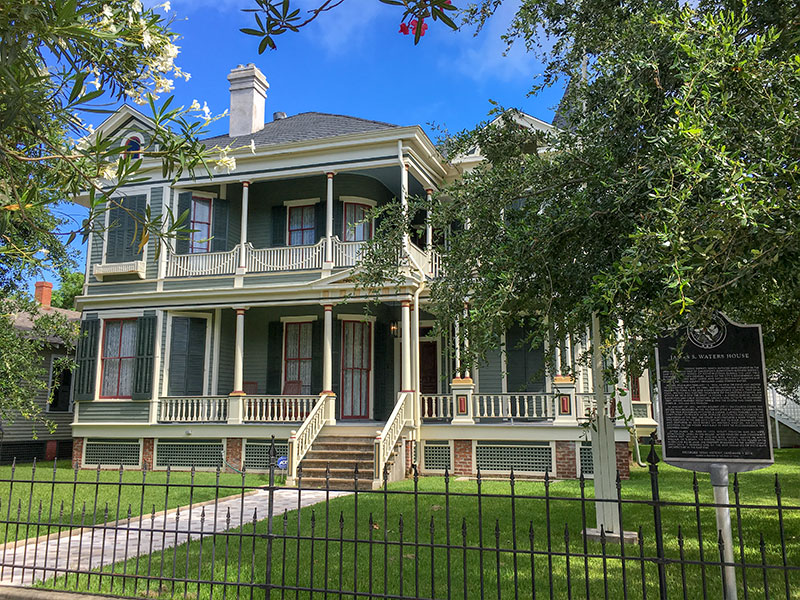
point(300, 319)
point(209, 195)
point(302, 202)
point(103, 254)
point(363, 318)
point(156, 367)
point(503, 364)
point(358, 200)
point(88, 268)
point(161, 273)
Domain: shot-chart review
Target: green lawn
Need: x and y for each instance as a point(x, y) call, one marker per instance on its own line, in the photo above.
point(59, 506)
point(406, 566)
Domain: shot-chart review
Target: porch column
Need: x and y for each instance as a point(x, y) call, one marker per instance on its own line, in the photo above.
point(329, 223)
point(403, 188)
point(406, 343)
point(457, 338)
point(235, 399)
point(428, 226)
point(238, 356)
point(327, 352)
point(466, 345)
point(245, 201)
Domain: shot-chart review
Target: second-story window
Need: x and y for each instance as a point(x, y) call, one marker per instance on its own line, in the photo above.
point(356, 226)
point(200, 225)
point(133, 147)
point(302, 228)
point(119, 355)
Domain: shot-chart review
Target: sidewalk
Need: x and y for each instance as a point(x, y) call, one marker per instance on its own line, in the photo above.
point(38, 559)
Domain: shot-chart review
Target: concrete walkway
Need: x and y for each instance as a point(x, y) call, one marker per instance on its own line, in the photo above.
point(37, 559)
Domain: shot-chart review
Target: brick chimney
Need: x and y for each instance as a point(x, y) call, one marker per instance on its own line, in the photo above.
point(248, 94)
point(43, 294)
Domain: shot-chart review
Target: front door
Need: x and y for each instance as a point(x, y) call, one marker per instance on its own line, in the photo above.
point(356, 369)
point(428, 373)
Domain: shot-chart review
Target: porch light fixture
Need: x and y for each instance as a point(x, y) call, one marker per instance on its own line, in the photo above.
point(394, 328)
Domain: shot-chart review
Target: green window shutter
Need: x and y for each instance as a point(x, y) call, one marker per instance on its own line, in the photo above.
point(338, 219)
point(316, 356)
point(184, 205)
point(274, 357)
point(383, 358)
point(320, 215)
point(515, 360)
point(114, 235)
point(87, 359)
point(187, 357)
point(124, 232)
point(145, 350)
point(278, 225)
point(219, 225)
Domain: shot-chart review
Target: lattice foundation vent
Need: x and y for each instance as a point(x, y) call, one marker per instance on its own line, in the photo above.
point(587, 462)
point(112, 453)
point(256, 454)
point(437, 456)
point(641, 411)
point(524, 458)
point(197, 453)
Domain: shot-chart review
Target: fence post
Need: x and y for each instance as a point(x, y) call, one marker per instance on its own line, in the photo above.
point(653, 459)
point(270, 513)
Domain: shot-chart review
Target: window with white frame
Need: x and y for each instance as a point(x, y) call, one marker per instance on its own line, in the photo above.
point(118, 358)
point(302, 227)
point(200, 224)
point(357, 228)
point(297, 358)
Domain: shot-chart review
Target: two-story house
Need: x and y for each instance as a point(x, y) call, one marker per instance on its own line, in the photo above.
point(252, 327)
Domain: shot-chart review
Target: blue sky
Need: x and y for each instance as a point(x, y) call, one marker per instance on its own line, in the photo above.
point(354, 61)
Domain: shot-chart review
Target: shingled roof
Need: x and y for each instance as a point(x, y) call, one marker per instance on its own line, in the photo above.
point(302, 127)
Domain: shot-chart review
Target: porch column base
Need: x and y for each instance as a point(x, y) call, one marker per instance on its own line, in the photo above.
point(235, 406)
point(462, 389)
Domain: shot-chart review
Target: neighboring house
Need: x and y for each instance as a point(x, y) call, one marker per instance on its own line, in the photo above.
point(253, 328)
point(17, 440)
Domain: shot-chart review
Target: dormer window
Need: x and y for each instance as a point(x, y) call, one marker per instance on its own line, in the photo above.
point(133, 147)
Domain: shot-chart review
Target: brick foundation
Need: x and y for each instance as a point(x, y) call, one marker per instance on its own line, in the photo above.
point(566, 460)
point(623, 451)
point(409, 457)
point(462, 457)
point(148, 448)
point(51, 450)
point(77, 452)
point(233, 454)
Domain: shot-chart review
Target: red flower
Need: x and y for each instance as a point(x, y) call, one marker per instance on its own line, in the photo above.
point(403, 28)
point(422, 24)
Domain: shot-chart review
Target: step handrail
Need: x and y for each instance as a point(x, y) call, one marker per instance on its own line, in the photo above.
point(300, 441)
point(387, 438)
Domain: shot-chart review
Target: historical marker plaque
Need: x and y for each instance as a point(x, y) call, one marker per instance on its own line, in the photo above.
point(714, 404)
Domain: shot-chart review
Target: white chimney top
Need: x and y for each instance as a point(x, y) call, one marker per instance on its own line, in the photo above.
point(248, 93)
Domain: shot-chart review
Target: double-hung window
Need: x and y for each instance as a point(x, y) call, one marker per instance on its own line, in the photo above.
point(200, 225)
point(357, 228)
point(119, 356)
point(297, 358)
point(302, 225)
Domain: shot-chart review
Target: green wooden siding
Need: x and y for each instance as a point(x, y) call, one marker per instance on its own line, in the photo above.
point(227, 347)
point(254, 368)
point(525, 364)
point(156, 210)
point(114, 412)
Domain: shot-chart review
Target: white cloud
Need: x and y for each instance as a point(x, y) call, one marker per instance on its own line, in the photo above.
point(484, 57)
point(344, 27)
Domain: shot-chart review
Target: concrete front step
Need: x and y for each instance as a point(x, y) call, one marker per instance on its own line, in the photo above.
point(338, 463)
point(331, 455)
point(335, 483)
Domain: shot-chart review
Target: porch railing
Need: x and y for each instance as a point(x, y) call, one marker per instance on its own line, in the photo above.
point(514, 406)
point(346, 254)
point(204, 263)
point(285, 258)
point(388, 437)
point(585, 404)
point(277, 409)
point(436, 406)
point(301, 440)
point(205, 409)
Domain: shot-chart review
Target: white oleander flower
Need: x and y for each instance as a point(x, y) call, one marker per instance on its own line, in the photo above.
point(136, 5)
point(166, 6)
point(195, 105)
point(107, 11)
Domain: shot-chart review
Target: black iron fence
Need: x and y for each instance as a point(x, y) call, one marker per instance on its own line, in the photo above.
point(212, 535)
